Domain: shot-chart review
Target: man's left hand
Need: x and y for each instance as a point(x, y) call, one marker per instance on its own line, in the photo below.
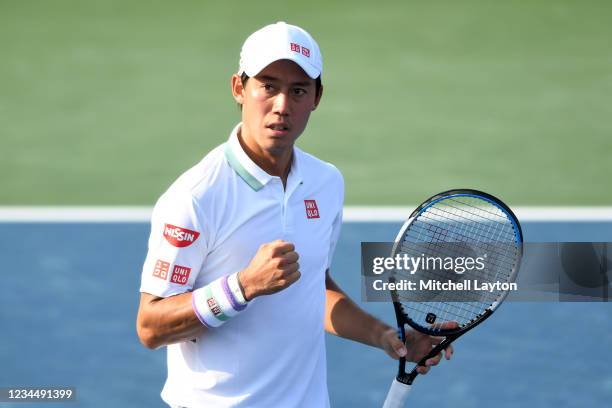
point(417, 346)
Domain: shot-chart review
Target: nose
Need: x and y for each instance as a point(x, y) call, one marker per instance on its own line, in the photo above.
point(281, 104)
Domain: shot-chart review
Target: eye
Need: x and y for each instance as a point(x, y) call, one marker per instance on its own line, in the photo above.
point(299, 91)
point(268, 87)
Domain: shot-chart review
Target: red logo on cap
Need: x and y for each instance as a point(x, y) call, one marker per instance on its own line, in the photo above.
point(299, 49)
point(179, 237)
point(180, 275)
point(312, 211)
point(161, 269)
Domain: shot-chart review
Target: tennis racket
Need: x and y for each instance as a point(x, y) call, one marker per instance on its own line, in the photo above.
point(455, 223)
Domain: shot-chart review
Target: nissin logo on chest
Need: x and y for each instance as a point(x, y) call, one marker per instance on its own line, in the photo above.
point(312, 211)
point(179, 237)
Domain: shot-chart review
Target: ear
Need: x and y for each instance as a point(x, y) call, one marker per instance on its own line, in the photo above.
point(237, 89)
point(318, 98)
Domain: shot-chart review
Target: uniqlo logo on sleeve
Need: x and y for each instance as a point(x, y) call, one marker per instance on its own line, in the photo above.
point(178, 236)
point(180, 274)
point(305, 52)
point(311, 209)
point(295, 47)
point(161, 269)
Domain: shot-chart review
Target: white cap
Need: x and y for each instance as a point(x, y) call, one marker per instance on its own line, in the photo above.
point(280, 41)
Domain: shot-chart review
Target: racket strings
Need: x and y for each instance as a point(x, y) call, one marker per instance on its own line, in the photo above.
point(480, 231)
point(489, 247)
point(501, 266)
point(489, 211)
point(500, 260)
point(440, 231)
point(497, 268)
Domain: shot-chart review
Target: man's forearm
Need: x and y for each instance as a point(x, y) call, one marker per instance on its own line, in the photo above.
point(346, 319)
point(163, 321)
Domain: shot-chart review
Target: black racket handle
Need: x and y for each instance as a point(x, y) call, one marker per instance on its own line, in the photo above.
point(434, 352)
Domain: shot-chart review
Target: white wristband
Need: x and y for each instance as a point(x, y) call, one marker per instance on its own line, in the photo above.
point(214, 304)
point(234, 286)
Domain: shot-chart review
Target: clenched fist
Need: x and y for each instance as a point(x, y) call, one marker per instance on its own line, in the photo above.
point(273, 268)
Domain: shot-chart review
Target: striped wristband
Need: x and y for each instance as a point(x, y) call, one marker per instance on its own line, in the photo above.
point(215, 303)
point(234, 285)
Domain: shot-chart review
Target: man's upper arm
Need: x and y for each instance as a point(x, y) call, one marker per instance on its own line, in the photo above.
point(177, 247)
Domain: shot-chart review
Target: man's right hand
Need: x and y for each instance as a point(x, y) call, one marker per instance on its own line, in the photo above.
point(273, 268)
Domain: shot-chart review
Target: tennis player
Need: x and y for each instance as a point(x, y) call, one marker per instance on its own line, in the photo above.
point(236, 281)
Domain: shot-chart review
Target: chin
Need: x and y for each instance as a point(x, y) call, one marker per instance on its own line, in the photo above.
point(278, 145)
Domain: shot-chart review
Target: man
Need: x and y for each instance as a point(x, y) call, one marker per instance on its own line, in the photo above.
point(236, 282)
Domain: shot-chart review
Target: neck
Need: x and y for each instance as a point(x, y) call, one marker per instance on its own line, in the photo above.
point(275, 163)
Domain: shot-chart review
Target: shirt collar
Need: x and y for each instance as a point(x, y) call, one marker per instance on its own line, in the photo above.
point(250, 172)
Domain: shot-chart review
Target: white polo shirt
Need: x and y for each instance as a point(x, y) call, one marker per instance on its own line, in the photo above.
point(210, 223)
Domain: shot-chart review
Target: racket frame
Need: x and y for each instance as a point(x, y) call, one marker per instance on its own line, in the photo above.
point(450, 334)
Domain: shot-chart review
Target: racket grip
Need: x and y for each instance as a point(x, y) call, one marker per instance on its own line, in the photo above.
point(398, 393)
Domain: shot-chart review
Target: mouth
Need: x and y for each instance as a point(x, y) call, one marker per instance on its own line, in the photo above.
point(278, 129)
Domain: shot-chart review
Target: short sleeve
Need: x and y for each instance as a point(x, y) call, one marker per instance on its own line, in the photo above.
point(337, 224)
point(336, 227)
point(177, 246)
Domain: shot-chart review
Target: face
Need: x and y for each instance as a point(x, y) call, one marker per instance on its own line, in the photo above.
point(276, 105)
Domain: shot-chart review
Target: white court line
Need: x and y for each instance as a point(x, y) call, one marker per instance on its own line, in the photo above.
point(75, 214)
point(99, 214)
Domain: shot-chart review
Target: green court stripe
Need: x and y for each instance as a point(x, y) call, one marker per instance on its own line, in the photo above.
point(238, 168)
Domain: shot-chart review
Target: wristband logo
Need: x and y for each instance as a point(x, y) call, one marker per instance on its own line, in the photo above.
point(213, 306)
point(179, 237)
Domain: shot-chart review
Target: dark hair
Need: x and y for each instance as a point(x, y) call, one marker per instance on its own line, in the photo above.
point(244, 78)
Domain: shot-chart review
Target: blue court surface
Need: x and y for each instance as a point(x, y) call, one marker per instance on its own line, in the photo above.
point(70, 296)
